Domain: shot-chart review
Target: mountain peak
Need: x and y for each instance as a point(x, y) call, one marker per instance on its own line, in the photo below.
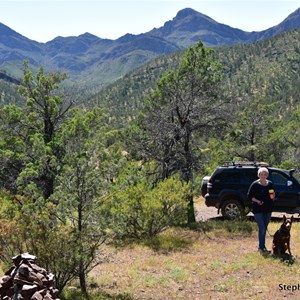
point(87, 52)
point(189, 12)
point(186, 12)
point(190, 26)
point(88, 36)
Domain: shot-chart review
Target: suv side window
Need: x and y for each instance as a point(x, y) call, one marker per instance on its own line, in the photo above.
point(278, 178)
point(228, 177)
point(236, 176)
point(248, 176)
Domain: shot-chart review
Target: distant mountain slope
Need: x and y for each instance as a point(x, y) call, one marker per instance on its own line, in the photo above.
point(9, 90)
point(92, 62)
point(8, 78)
point(267, 69)
point(291, 22)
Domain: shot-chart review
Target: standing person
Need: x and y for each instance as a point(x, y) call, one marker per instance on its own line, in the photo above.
point(262, 194)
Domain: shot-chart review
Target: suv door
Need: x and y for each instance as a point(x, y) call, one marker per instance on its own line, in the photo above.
point(287, 191)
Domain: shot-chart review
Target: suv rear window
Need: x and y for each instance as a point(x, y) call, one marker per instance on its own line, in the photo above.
point(237, 176)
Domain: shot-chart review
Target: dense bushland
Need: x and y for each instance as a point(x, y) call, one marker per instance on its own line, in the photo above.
point(73, 180)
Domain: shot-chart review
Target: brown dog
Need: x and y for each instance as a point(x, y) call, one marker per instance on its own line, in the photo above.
point(281, 239)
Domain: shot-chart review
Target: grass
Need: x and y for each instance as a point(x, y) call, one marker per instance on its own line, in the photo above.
point(213, 260)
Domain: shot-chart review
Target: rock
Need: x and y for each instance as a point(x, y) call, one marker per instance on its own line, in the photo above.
point(27, 281)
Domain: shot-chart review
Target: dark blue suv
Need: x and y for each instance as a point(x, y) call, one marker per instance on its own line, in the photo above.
point(226, 189)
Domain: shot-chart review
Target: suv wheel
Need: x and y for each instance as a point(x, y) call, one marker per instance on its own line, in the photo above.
point(232, 209)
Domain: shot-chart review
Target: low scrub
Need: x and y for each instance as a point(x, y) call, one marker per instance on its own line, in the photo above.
point(142, 211)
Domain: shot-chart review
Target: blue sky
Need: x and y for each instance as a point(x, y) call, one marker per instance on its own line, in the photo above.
point(43, 20)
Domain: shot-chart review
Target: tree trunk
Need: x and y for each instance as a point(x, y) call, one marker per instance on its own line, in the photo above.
point(188, 174)
point(252, 143)
point(81, 275)
point(82, 280)
point(191, 209)
point(49, 186)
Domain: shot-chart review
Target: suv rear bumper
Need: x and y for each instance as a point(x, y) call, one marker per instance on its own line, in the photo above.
point(212, 200)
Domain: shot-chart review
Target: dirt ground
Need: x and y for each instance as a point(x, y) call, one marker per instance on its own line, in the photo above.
point(196, 272)
point(204, 213)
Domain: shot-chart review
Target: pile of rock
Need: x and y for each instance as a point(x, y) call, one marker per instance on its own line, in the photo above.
point(27, 281)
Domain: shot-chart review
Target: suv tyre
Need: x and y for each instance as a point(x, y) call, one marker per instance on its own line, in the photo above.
point(232, 209)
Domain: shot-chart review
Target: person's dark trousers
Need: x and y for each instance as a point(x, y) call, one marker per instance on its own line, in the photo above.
point(262, 220)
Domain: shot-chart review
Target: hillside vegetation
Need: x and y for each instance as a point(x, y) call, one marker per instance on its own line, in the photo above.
point(124, 167)
point(93, 62)
point(265, 69)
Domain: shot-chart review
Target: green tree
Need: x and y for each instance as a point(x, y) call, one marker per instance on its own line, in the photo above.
point(286, 137)
point(13, 147)
point(250, 131)
point(67, 157)
point(66, 232)
point(30, 152)
point(185, 106)
point(90, 166)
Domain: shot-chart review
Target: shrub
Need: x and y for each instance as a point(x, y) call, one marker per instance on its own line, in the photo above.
point(142, 211)
point(27, 228)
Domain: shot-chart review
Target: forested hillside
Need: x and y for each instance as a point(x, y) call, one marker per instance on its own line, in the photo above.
point(268, 69)
point(93, 62)
point(126, 164)
point(261, 77)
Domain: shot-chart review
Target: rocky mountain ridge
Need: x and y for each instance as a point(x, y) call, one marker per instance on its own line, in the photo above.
point(89, 59)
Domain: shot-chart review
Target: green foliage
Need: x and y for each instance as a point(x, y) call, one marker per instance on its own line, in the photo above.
point(10, 233)
point(141, 211)
point(185, 106)
point(92, 158)
point(248, 137)
point(286, 137)
point(51, 242)
point(30, 152)
point(266, 71)
point(67, 236)
point(69, 158)
point(29, 228)
point(8, 93)
point(124, 98)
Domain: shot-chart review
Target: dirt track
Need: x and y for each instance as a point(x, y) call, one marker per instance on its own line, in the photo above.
point(204, 213)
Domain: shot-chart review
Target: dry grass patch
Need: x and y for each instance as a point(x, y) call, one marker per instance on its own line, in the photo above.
point(215, 260)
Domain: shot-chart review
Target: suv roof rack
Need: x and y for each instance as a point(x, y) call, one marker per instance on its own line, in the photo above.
point(245, 163)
